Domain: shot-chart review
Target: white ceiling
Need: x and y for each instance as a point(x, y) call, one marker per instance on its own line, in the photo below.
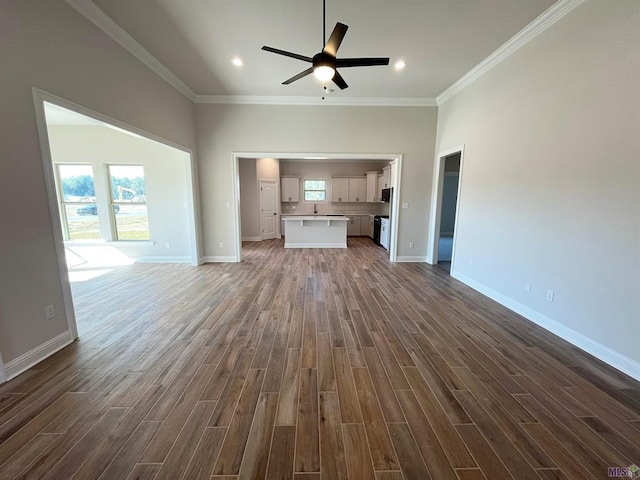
point(440, 40)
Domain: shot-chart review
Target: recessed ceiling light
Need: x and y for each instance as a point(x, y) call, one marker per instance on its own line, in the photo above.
point(400, 64)
point(237, 62)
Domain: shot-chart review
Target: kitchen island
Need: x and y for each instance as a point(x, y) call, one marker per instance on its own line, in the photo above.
point(315, 231)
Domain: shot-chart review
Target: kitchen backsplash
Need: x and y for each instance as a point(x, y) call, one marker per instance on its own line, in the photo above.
point(345, 208)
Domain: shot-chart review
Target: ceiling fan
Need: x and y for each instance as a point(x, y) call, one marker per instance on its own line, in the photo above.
point(325, 64)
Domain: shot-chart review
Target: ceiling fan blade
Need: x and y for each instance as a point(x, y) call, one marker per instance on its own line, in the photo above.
point(298, 76)
point(361, 62)
point(339, 81)
point(335, 39)
point(287, 54)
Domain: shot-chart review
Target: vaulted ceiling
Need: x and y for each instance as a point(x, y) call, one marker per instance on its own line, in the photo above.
point(440, 41)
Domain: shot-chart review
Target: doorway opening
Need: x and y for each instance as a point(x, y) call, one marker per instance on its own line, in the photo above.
point(117, 195)
point(304, 183)
point(444, 213)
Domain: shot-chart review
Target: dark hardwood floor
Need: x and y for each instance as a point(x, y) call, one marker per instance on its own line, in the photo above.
point(311, 364)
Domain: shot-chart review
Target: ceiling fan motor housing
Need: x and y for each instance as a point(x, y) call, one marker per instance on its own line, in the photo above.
point(324, 66)
point(323, 59)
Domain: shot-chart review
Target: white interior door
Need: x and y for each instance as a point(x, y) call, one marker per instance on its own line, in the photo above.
point(269, 208)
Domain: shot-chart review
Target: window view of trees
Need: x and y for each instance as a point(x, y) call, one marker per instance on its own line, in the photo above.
point(129, 189)
point(315, 190)
point(78, 186)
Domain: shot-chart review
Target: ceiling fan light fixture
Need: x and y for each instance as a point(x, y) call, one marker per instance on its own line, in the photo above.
point(324, 73)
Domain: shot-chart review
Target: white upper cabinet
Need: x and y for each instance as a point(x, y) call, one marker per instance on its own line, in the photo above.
point(349, 189)
point(339, 189)
point(386, 177)
point(358, 189)
point(290, 189)
point(372, 187)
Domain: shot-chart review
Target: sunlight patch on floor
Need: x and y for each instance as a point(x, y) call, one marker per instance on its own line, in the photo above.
point(90, 261)
point(84, 275)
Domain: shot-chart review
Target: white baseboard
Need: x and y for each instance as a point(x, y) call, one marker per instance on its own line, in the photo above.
point(160, 259)
point(411, 259)
point(604, 353)
point(251, 239)
point(315, 245)
point(27, 360)
point(218, 259)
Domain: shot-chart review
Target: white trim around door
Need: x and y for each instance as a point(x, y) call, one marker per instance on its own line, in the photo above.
point(436, 205)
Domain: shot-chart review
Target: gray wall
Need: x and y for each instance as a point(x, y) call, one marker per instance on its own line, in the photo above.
point(326, 170)
point(223, 129)
point(550, 183)
point(49, 45)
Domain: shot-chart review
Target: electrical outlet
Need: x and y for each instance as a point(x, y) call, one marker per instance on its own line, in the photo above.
point(221, 245)
point(410, 244)
point(550, 295)
point(227, 204)
point(471, 263)
point(527, 286)
point(405, 204)
point(167, 245)
point(49, 312)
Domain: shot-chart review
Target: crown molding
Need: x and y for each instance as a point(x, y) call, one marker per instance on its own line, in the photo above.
point(528, 33)
point(101, 20)
point(328, 101)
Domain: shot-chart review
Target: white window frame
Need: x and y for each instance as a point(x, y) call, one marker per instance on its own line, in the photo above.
point(113, 202)
point(62, 203)
point(326, 190)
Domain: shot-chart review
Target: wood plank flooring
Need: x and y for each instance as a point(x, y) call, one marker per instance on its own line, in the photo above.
point(315, 365)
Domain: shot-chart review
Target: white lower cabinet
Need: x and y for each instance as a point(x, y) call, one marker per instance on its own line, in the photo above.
point(369, 219)
point(354, 226)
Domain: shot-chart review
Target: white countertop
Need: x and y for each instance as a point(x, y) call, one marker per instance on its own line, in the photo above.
point(341, 218)
point(298, 215)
